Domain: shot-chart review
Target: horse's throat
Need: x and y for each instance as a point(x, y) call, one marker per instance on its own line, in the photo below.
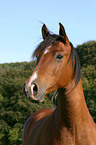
point(71, 105)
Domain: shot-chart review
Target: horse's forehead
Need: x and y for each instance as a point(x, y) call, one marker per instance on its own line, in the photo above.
point(56, 46)
point(48, 49)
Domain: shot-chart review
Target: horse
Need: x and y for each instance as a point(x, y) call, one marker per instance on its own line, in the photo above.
point(58, 68)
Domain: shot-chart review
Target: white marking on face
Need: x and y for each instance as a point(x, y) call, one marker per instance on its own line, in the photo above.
point(33, 77)
point(47, 50)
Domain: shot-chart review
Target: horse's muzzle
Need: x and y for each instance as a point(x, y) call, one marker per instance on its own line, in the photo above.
point(34, 91)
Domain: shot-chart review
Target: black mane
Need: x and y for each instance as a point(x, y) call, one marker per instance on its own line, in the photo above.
point(77, 66)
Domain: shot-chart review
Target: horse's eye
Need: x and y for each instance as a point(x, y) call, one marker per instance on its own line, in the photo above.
point(59, 56)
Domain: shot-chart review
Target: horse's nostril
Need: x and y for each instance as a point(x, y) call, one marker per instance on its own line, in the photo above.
point(35, 89)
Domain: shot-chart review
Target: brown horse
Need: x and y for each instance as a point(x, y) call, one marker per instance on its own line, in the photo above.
point(58, 69)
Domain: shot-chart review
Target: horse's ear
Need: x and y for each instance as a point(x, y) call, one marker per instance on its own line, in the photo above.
point(45, 31)
point(62, 32)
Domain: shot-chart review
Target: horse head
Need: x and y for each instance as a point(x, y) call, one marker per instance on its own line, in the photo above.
point(55, 68)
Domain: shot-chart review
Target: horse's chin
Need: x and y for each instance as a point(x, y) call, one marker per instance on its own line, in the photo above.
point(39, 98)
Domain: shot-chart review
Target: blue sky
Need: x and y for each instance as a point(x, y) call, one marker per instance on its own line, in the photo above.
point(20, 24)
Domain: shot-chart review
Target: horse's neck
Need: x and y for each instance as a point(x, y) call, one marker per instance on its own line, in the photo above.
point(72, 108)
point(73, 119)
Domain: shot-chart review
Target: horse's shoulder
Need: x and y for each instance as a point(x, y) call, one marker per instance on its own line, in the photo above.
point(41, 114)
point(35, 117)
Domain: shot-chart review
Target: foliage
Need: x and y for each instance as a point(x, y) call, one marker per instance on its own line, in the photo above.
point(16, 108)
point(87, 55)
